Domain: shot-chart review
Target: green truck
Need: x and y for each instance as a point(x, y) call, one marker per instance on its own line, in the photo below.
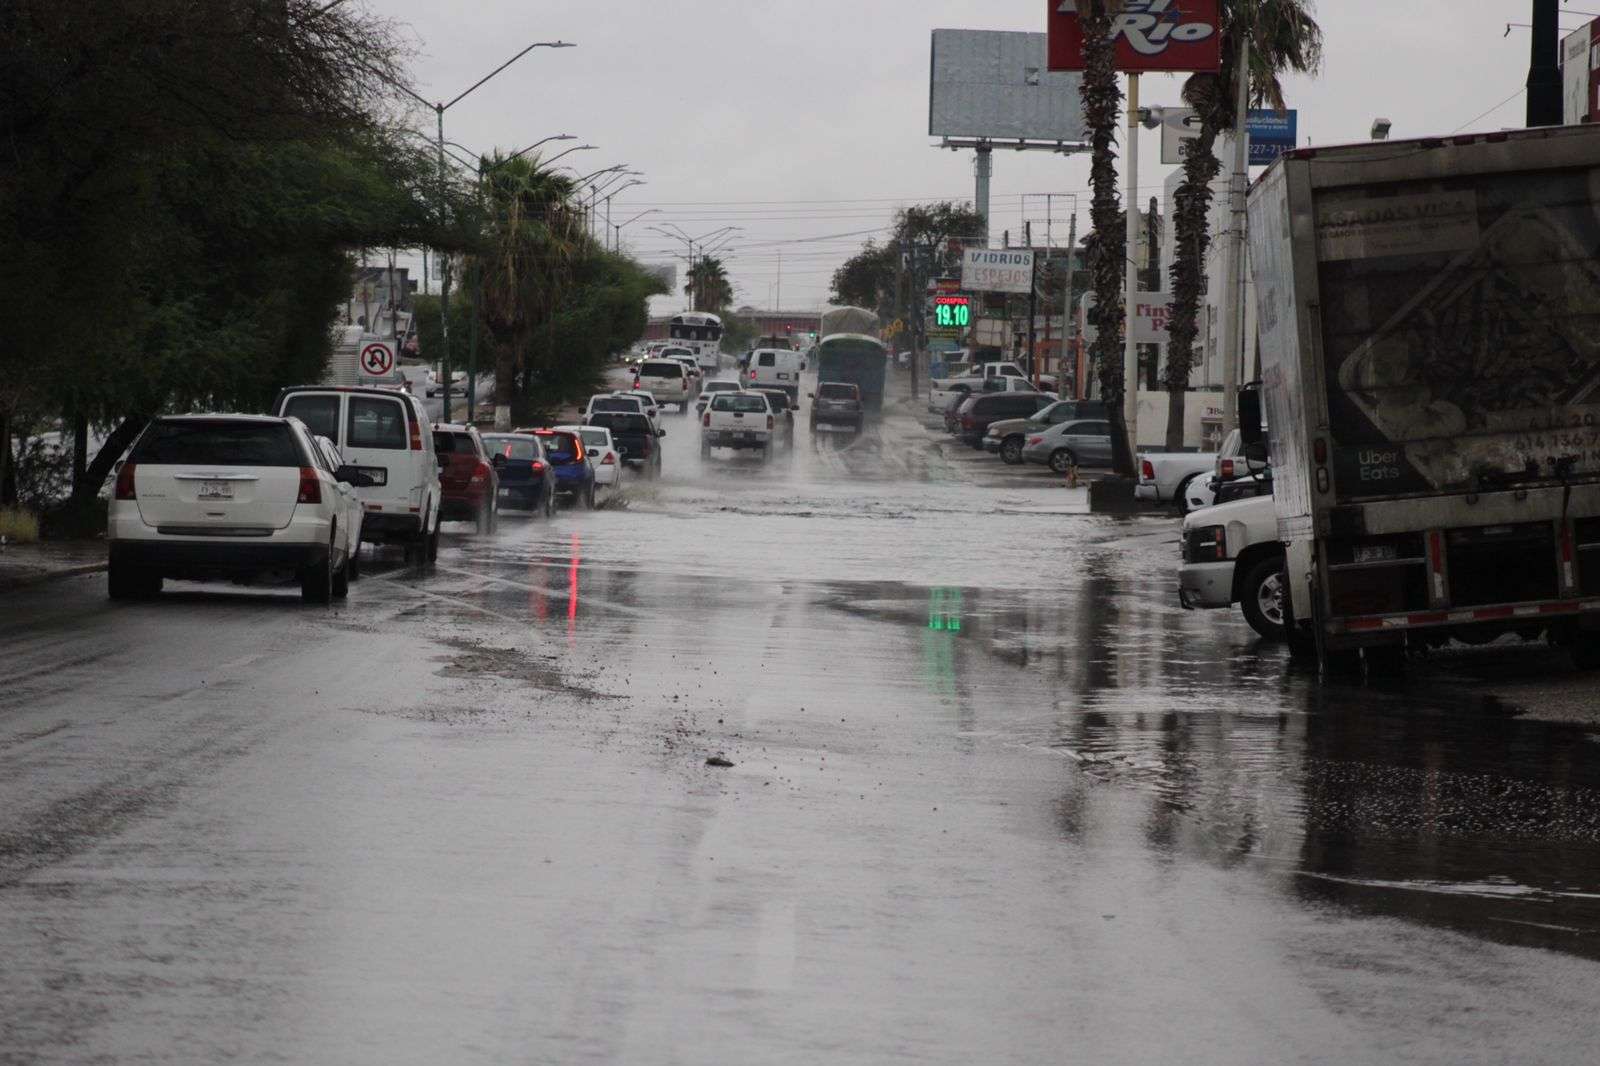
point(851, 352)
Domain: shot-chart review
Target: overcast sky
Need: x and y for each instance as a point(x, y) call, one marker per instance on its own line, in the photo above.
point(804, 120)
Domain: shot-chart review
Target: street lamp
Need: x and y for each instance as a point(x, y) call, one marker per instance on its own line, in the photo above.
point(630, 183)
point(621, 225)
point(569, 151)
point(535, 144)
point(444, 274)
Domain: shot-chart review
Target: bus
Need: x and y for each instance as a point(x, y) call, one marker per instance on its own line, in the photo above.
point(701, 333)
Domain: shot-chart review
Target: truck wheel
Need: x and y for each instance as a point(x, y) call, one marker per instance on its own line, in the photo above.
point(1261, 598)
point(1181, 497)
point(1011, 451)
point(316, 581)
point(1062, 460)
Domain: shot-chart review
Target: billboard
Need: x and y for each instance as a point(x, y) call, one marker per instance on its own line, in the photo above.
point(1272, 133)
point(1151, 35)
point(993, 84)
point(997, 270)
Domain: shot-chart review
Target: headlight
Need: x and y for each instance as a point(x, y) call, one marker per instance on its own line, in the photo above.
point(1208, 544)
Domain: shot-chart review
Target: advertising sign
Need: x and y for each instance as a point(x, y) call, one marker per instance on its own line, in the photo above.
point(1576, 97)
point(1150, 35)
point(1150, 318)
point(993, 83)
point(1272, 133)
point(997, 270)
point(952, 312)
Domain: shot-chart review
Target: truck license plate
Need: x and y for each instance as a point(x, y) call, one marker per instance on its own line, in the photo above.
point(216, 490)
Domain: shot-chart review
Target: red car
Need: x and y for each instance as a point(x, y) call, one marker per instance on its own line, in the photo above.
point(467, 477)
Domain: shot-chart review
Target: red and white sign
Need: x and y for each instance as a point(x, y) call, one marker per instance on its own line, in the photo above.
point(377, 359)
point(1151, 35)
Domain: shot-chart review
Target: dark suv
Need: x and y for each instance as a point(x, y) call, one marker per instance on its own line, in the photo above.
point(978, 411)
point(836, 403)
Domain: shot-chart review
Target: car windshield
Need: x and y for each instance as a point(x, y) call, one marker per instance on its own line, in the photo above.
point(836, 392)
point(621, 423)
point(778, 401)
point(743, 403)
point(218, 444)
point(615, 404)
point(513, 447)
point(562, 447)
point(447, 443)
point(722, 386)
point(593, 438)
point(661, 370)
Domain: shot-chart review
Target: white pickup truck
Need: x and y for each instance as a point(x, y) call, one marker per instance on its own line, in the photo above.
point(1231, 554)
point(737, 420)
point(1165, 477)
point(987, 377)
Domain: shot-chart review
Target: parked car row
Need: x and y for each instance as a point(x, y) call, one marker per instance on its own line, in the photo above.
point(1022, 426)
point(293, 495)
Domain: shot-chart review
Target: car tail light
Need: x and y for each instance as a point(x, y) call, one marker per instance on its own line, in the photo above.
point(1227, 468)
point(752, 375)
point(310, 487)
point(1035, 440)
point(769, 422)
point(1147, 470)
point(416, 433)
point(967, 422)
point(480, 473)
point(538, 467)
point(636, 383)
point(125, 490)
point(609, 460)
point(706, 421)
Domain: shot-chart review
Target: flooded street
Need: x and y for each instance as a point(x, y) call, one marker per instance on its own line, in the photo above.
point(994, 797)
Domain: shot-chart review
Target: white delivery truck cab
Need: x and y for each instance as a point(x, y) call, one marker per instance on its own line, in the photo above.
point(1430, 349)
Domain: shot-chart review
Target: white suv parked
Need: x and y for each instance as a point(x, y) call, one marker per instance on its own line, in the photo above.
point(387, 436)
point(207, 497)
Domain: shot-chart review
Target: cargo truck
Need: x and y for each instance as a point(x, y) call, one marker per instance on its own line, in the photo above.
point(1430, 353)
point(850, 352)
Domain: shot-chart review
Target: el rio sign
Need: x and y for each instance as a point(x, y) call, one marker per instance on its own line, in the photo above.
point(1151, 35)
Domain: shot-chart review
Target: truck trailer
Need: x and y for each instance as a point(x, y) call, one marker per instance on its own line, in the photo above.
point(1430, 355)
point(850, 352)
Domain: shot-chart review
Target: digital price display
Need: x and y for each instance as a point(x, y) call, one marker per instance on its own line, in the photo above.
point(952, 312)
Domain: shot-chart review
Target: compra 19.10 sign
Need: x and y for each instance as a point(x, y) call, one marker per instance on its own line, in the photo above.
point(1151, 35)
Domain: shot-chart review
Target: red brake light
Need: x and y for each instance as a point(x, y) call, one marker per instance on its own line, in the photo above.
point(538, 467)
point(125, 490)
point(1227, 468)
point(310, 487)
point(1147, 470)
point(1035, 440)
point(416, 433)
point(706, 421)
point(752, 375)
point(480, 473)
point(636, 383)
point(769, 421)
point(609, 460)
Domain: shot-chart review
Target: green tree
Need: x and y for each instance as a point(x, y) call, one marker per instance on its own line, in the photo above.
point(867, 279)
point(534, 237)
point(1107, 245)
point(708, 287)
point(873, 278)
point(1283, 37)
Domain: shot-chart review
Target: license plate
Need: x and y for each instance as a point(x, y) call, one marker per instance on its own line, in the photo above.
point(782, 376)
point(216, 490)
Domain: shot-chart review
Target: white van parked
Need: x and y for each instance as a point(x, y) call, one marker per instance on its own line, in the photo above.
point(386, 435)
point(776, 368)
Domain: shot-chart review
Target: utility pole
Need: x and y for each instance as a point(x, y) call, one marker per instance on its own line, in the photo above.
point(1130, 350)
point(1544, 69)
point(1069, 321)
point(983, 167)
point(1233, 320)
point(1033, 304)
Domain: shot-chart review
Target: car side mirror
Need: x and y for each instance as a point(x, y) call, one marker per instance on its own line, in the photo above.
point(1255, 456)
point(1250, 415)
point(497, 461)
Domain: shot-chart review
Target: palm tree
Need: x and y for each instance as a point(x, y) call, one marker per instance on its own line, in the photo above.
point(1102, 108)
point(708, 288)
point(535, 233)
point(1283, 37)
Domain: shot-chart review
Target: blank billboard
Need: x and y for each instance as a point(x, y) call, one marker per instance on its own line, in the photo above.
point(995, 84)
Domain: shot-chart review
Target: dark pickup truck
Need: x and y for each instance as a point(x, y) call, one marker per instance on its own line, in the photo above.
point(636, 438)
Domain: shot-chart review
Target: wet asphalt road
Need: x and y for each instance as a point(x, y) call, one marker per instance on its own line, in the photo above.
point(995, 798)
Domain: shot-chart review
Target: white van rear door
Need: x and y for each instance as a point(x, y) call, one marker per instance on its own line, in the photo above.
point(378, 437)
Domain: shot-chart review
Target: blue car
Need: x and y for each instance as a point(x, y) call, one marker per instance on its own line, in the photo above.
point(526, 481)
point(566, 455)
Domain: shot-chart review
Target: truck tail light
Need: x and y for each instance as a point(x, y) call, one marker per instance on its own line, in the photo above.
point(769, 422)
point(1147, 470)
point(125, 489)
point(310, 487)
point(706, 421)
point(1227, 469)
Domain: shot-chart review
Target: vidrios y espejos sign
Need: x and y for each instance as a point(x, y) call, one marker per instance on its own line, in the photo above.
point(997, 270)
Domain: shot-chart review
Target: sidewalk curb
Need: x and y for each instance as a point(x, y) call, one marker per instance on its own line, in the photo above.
point(8, 584)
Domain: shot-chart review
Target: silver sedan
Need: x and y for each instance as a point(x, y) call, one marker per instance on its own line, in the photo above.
point(1070, 444)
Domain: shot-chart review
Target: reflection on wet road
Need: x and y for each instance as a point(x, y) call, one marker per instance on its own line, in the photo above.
point(994, 798)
